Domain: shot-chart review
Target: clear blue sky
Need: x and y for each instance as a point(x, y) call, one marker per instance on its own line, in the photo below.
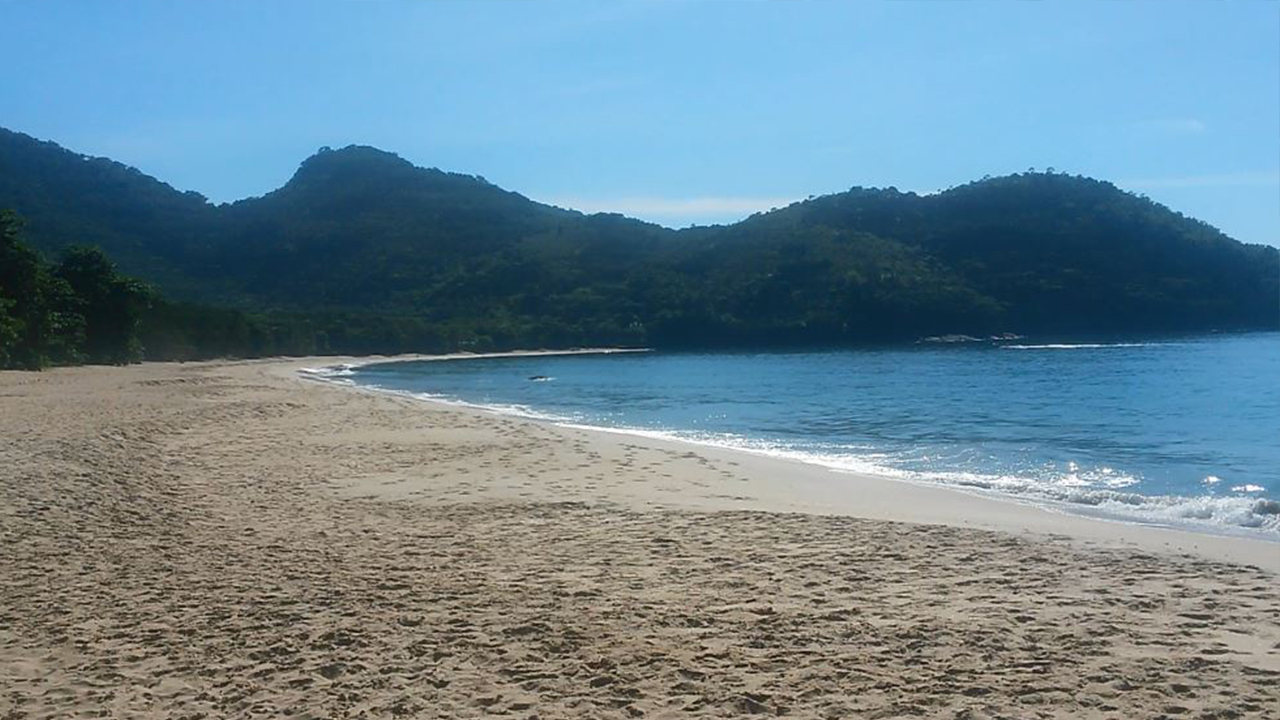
point(673, 112)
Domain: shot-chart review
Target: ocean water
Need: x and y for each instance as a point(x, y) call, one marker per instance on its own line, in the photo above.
point(1181, 432)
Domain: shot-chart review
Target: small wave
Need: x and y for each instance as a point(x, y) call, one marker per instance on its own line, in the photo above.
point(329, 371)
point(1067, 493)
point(338, 374)
point(1080, 346)
point(1100, 495)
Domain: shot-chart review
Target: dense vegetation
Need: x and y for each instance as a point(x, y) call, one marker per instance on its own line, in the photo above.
point(79, 310)
point(363, 252)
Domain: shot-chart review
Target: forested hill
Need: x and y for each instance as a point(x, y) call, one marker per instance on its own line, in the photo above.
point(70, 199)
point(360, 234)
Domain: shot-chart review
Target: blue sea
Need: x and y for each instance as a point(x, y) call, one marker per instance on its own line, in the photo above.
point(1182, 432)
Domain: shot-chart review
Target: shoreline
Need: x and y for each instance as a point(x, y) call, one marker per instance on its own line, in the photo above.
point(783, 484)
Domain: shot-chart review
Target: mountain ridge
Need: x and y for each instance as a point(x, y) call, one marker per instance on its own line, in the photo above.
point(359, 229)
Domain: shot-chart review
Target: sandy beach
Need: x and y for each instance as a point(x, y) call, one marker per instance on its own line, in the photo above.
point(214, 540)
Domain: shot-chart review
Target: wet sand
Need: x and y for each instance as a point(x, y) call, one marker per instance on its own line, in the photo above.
point(228, 540)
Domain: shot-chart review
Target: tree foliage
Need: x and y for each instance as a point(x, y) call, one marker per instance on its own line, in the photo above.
point(80, 310)
point(110, 304)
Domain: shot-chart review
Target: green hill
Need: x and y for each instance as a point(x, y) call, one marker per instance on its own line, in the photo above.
point(360, 234)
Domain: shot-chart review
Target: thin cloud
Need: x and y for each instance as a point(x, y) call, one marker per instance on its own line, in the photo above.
point(1245, 179)
point(674, 207)
point(1173, 126)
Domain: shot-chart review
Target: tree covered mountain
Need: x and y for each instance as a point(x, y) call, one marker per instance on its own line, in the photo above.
point(366, 252)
